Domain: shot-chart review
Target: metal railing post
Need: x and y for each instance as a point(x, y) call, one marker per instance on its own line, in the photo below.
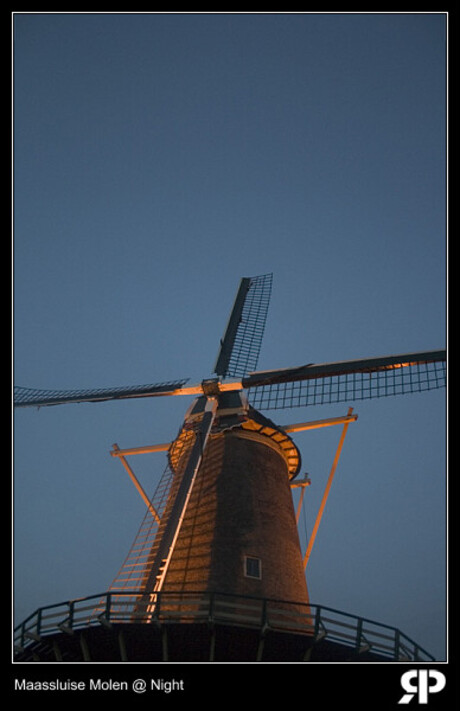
point(264, 620)
point(158, 604)
point(71, 613)
point(23, 634)
point(317, 620)
point(212, 597)
point(397, 644)
point(39, 620)
point(359, 632)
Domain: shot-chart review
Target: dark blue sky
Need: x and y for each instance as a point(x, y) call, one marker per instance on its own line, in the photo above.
point(157, 159)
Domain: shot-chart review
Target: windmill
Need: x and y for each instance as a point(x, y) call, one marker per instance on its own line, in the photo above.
point(216, 569)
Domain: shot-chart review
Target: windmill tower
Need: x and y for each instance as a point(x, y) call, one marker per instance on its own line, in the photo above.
point(216, 571)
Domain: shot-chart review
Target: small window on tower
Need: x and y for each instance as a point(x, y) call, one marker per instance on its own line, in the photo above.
point(252, 567)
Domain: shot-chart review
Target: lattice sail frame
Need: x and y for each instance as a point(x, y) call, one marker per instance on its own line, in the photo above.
point(240, 347)
point(397, 379)
point(26, 397)
point(137, 566)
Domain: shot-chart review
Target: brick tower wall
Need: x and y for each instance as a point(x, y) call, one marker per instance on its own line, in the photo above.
point(241, 505)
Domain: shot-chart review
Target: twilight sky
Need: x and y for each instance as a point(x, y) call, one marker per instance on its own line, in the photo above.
point(158, 158)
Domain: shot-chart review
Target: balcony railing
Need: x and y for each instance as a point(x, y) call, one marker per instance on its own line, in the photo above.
point(320, 622)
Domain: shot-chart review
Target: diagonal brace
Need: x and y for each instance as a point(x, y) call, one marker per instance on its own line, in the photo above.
point(327, 490)
point(136, 482)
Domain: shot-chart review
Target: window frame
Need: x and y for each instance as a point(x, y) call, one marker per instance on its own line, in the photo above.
point(249, 561)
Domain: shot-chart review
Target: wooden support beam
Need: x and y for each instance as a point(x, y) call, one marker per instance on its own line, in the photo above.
point(327, 489)
point(148, 449)
point(315, 424)
point(145, 498)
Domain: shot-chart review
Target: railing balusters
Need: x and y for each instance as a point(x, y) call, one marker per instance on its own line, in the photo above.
point(316, 620)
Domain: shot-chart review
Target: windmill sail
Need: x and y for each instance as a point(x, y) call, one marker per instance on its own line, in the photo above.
point(29, 397)
point(346, 381)
point(145, 566)
point(240, 346)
